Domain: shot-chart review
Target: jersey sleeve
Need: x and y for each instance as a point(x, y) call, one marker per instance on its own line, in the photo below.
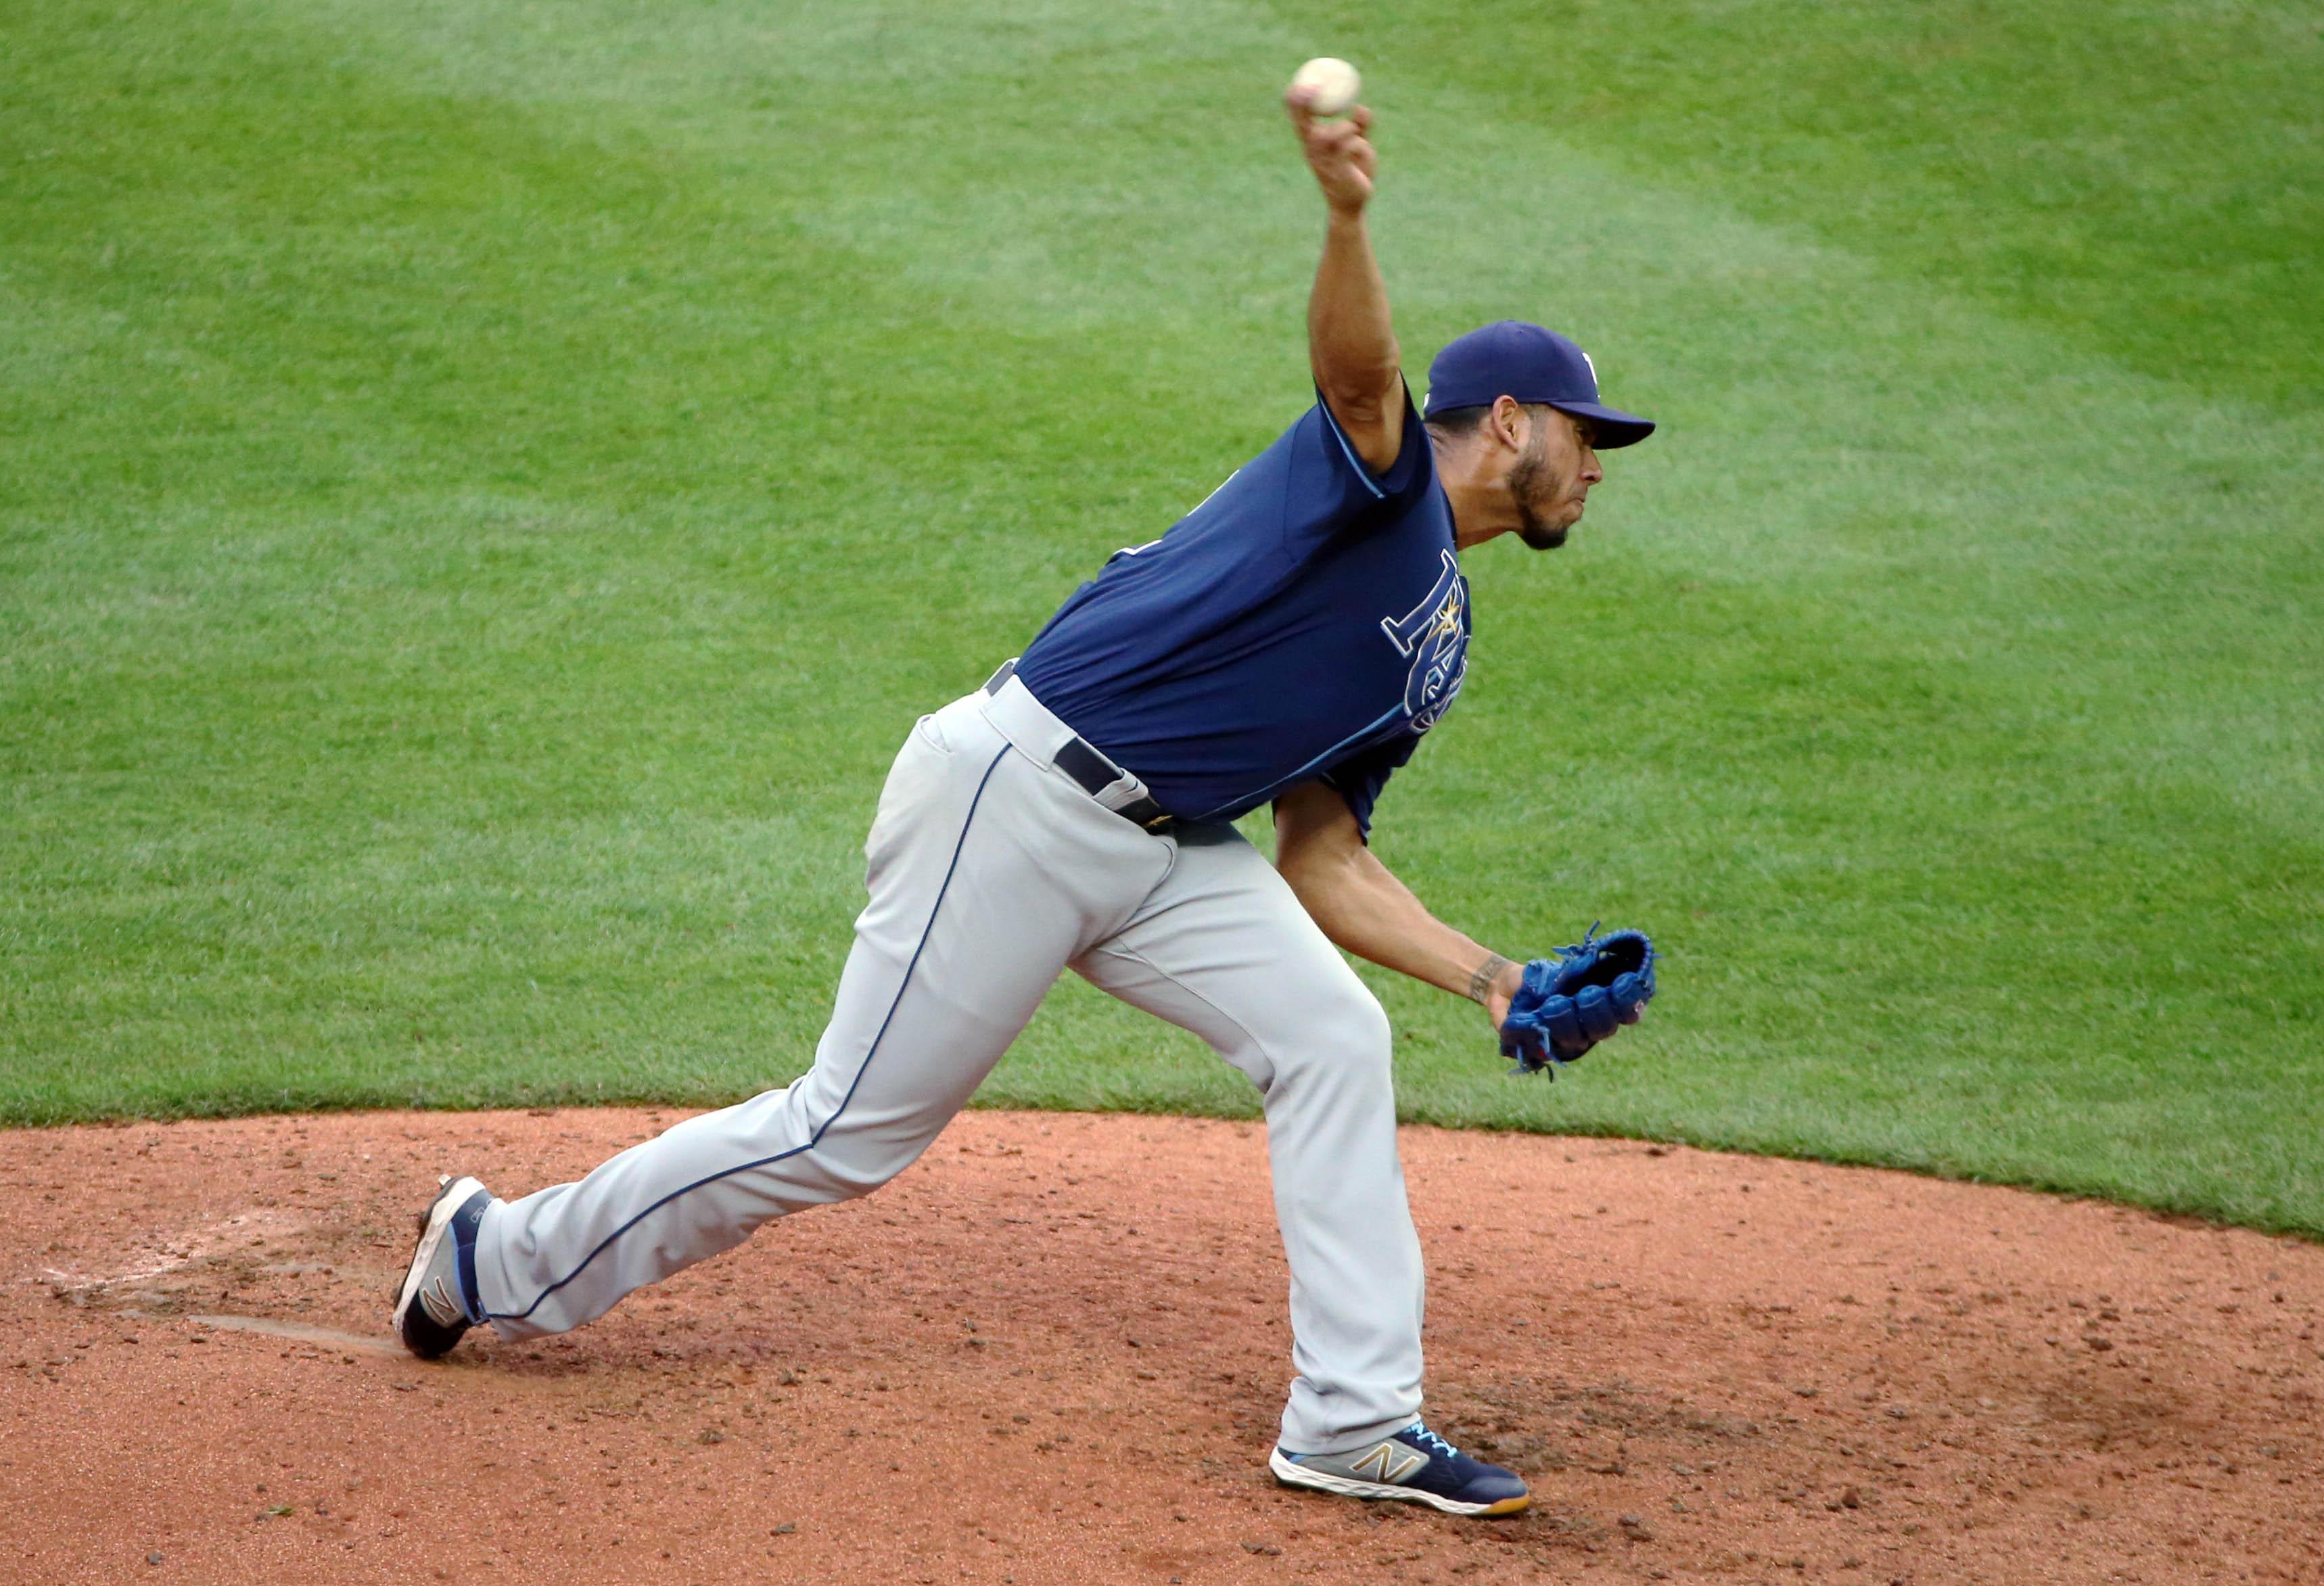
point(1332, 488)
point(1359, 779)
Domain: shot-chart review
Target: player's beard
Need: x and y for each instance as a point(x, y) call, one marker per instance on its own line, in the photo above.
point(1527, 484)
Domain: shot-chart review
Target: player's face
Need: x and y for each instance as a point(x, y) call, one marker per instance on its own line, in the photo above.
point(1551, 479)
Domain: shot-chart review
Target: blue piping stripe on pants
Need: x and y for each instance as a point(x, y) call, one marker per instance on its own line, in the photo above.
point(607, 1243)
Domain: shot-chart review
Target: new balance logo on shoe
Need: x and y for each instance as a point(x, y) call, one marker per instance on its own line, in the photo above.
point(1387, 1462)
point(442, 1309)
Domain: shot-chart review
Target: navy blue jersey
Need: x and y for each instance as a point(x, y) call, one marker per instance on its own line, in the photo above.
point(1309, 621)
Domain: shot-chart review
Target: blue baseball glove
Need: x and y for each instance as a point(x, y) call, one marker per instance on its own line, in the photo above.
point(1577, 998)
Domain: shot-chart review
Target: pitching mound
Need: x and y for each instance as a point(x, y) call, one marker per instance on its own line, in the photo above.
point(1055, 1351)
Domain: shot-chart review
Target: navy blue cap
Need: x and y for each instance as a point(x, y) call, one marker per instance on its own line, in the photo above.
point(1514, 359)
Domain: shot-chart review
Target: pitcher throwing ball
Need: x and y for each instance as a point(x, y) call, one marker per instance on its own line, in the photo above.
point(1287, 643)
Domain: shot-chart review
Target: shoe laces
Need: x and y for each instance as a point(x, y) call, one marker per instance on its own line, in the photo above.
point(1419, 1432)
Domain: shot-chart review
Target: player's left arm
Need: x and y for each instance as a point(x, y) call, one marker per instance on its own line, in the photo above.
point(1362, 908)
point(1351, 339)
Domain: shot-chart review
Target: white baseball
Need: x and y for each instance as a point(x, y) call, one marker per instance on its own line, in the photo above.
point(1335, 83)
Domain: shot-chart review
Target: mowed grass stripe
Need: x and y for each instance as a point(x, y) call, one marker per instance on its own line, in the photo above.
point(1960, 762)
point(485, 703)
point(2134, 178)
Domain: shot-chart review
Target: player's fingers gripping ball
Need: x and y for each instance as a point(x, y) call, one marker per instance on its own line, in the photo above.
point(1329, 84)
point(1576, 998)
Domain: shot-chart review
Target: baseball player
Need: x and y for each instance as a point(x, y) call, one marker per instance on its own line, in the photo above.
point(1286, 643)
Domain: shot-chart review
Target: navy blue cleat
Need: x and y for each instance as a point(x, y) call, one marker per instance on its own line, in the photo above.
point(438, 1301)
point(1413, 1464)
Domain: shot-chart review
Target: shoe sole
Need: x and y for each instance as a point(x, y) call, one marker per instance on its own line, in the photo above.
point(431, 1226)
point(1295, 1475)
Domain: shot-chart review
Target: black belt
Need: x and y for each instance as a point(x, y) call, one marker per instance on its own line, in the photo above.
point(1094, 771)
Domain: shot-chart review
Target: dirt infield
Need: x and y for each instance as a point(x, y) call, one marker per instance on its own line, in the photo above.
point(1054, 1350)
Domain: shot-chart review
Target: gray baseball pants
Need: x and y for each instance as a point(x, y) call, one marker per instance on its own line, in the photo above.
point(990, 872)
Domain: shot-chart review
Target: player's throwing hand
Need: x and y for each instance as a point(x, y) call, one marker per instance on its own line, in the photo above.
point(1338, 152)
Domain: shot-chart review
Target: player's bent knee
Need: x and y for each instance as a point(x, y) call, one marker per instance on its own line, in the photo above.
point(854, 1165)
point(849, 1181)
point(1347, 1043)
point(851, 1176)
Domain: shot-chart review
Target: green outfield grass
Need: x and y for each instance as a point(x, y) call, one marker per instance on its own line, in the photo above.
point(485, 485)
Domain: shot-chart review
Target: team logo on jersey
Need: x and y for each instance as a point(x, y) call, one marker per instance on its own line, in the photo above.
point(1436, 635)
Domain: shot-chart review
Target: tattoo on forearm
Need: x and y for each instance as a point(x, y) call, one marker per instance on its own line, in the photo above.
point(1480, 984)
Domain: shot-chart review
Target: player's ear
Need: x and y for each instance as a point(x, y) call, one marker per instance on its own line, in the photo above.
point(1510, 422)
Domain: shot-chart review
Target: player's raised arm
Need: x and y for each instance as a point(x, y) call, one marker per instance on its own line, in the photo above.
point(1350, 343)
